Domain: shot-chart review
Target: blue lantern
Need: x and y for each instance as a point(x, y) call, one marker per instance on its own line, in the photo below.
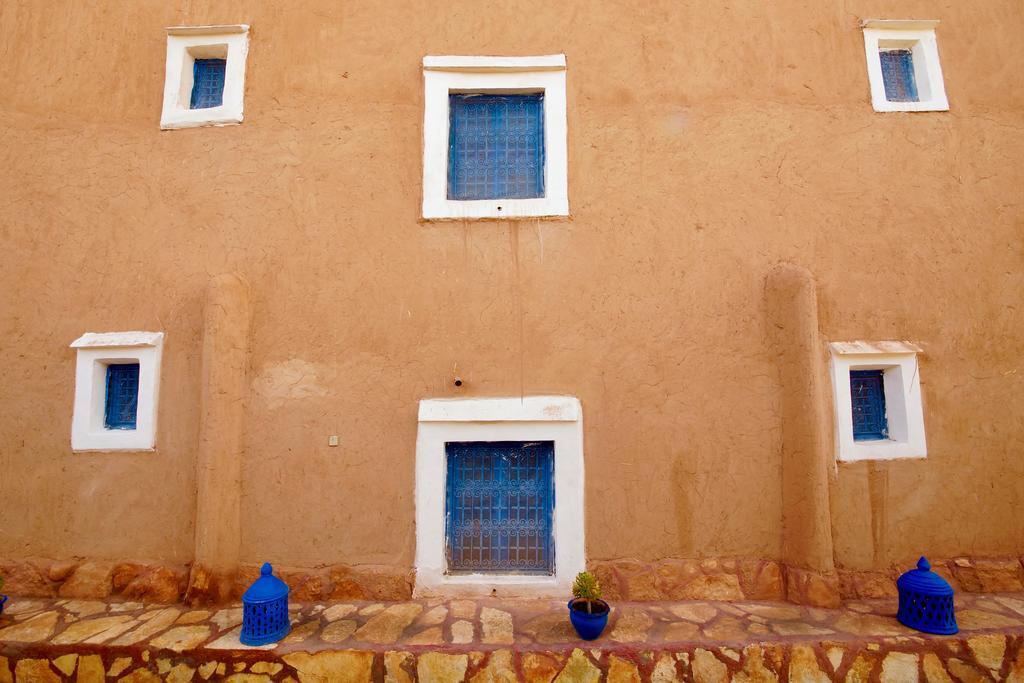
point(926, 601)
point(265, 609)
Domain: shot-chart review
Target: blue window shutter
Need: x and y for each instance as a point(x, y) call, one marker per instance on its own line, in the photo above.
point(867, 392)
point(496, 146)
point(207, 83)
point(898, 75)
point(500, 503)
point(122, 401)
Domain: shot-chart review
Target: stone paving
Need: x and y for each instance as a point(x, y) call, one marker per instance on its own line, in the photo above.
point(508, 640)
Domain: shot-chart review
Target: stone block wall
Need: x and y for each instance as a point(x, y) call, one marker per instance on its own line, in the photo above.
point(134, 580)
point(967, 575)
point(708, 579)
point(744, 579)
point(162, 583)
point(337, 582)
point(622, 580)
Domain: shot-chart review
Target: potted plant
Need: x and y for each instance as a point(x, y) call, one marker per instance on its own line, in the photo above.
point(587, 611)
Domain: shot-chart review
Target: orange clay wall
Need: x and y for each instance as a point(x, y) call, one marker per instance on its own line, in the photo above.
point(708, 142)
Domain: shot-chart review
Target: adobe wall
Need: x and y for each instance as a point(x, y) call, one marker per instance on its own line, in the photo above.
point(706, 145)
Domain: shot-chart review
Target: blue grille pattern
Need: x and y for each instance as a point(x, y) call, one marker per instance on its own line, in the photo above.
point(207, 83)
point(928, 613)
point(122, 402)
point(265, 622)
point(867, 392)
point(500, 500)
point(496, 146)
point(898, 75)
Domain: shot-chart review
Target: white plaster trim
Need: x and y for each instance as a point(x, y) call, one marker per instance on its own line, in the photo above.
point(431, 472)
point(93, 357)
point(118, 339)
point(927, 70)
point(184, 44)
point(526, 409)
point(860, 347)
point(904, 411)
point(900, 24)
point(438, 84)
point(211, 29)
point(469, 63)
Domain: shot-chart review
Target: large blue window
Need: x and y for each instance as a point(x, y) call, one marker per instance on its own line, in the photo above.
point(499, 510)
point(898, 75)
point(496, 146)
point(122, 401)
point(867, 392)
point(207, 83)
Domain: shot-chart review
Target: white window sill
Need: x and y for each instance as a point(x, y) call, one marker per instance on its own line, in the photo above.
point(935, 105)
point(475, 585)
point(543, 207)
point(197, 118)
point(881, 449)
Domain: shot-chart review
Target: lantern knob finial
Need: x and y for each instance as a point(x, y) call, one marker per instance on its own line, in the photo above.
point(267, 570)
point(923, 564)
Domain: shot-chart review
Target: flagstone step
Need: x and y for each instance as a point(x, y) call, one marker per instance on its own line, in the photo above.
point(506, 640)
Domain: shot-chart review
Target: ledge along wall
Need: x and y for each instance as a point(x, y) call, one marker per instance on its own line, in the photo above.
point(695, 167)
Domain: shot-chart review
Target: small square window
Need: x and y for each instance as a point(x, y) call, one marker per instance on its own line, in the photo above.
point(117, 380)
point(494, 137)
point(204, 76)
point(898, 75)
point(903, 66)
point(496, 146)
point(877, 396)
point(121, 405)
point(207, 83)
point(867, 396)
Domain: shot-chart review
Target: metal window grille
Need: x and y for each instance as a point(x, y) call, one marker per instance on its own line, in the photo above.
point(122, 401)
point(867, 391)
point(898, 75)
point(500, 502)
point(496, 146)
point(207, 83)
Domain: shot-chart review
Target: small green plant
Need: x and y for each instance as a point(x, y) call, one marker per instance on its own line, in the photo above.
point(587, 588)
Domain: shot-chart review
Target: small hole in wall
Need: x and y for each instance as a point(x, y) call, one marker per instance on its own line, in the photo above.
point(458, 381)
point(499, 208)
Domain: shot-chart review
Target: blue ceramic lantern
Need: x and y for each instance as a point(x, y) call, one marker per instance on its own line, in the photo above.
point(926, 601)
point(265, 609)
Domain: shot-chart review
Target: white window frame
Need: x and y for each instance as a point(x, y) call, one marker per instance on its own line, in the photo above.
point(184, 45)
point(902, 385)
point(443, 75)
point(919, 37)
point(95, 351)
point(533, 418)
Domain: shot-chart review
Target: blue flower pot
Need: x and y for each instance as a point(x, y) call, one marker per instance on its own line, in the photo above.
point(588, 626)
